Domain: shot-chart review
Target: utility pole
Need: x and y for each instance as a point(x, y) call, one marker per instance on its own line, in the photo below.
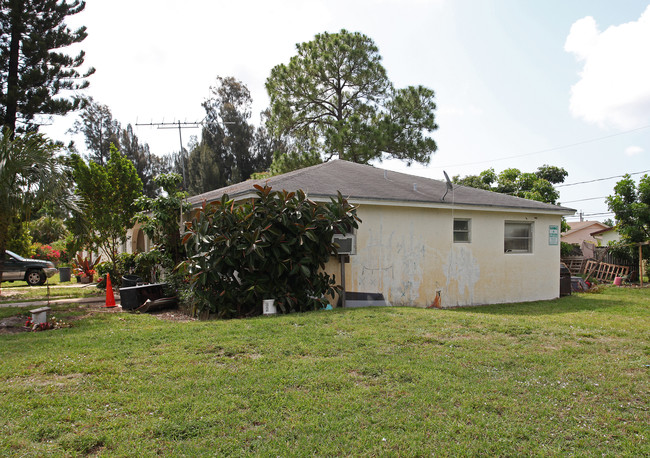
point(180, 126)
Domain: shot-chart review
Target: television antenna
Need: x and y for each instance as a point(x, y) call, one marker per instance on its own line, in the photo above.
point(450, 187)
point(180, 126)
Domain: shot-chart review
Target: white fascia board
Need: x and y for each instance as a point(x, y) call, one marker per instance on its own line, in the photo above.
point(417, 204)
point(449, 206)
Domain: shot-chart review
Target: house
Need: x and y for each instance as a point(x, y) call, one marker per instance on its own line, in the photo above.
point(419, 239)
point(581, 231)
point(606, 235)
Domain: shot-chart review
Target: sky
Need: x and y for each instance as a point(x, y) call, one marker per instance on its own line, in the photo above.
point(518, 83)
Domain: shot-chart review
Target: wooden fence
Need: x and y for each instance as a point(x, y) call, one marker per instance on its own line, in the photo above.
point(605, 272)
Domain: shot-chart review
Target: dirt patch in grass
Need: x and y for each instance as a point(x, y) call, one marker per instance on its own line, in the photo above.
point(16, 323)
point(13, 324)
point(8, 294)
point(173, 315)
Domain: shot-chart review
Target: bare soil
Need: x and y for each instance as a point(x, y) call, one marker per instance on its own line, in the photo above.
point(16, 324)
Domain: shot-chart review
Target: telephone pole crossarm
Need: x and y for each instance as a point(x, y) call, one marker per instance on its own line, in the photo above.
point(180, 125)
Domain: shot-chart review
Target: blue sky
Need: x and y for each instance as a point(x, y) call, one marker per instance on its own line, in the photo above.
point(516, 82)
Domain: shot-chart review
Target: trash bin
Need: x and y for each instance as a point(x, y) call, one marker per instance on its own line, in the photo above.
point(133, 297)
point(565, 280)
point(130, 280)
point(64, 273)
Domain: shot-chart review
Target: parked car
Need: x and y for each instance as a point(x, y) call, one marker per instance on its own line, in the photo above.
point(33, 271)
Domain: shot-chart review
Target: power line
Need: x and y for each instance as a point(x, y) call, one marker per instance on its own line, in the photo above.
point(175, 125)
point(556, 148)
point(601, 179)
point(582, 200)
point(591, 214)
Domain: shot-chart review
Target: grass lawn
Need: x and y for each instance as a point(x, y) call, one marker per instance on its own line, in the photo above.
point(564, 377)
point(20, 291)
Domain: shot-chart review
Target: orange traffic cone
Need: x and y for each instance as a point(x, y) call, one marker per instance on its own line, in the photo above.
point(110, 296)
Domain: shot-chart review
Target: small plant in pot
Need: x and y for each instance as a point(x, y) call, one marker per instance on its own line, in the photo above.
point(85, 268)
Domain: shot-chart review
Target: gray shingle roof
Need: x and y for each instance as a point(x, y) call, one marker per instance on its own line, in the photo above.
point(363, 182)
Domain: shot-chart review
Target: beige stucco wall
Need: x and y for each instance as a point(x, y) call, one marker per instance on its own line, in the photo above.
point(609, 236)
point(408, 254)
point(583, 235)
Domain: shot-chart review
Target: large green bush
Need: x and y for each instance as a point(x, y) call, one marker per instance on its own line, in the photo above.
point(272, 247)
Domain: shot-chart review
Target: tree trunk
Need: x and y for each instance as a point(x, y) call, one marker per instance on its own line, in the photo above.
point(16, 9)
point(4, 229)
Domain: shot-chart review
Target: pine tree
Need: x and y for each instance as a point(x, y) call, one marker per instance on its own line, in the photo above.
point(335, 97)
point(100, 130)
point(33, 72)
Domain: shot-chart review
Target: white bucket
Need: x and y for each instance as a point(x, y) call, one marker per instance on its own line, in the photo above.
point(268, 307)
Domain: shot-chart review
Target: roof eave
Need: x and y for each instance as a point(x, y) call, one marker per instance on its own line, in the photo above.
point(251, 194)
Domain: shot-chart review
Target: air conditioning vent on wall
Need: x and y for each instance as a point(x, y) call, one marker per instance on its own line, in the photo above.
point(347, 243)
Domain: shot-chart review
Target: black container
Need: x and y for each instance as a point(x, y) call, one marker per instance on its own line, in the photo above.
point(64, 273)
point(130, 280)
point(133, 297)
point(565, 280)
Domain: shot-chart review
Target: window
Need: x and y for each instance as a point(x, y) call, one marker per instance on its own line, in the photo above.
point(518, 237)
point(461, 230)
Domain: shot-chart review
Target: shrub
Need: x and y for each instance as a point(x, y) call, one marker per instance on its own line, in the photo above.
point(46, 252)
point(145, 265)
point(47, 229)
point(271, 247)
point(624, 252)
point(570, 249)
point(125, 263)
point(19, 239)
point(60, 246)
point(160, 219)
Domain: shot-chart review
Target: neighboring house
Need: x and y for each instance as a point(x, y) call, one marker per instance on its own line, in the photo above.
point(581, 231)
point(418, 239)
point(136, 241)
point(604, 236)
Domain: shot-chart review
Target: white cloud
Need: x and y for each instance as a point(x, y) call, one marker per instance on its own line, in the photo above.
point(614, 85)
point(633, 150)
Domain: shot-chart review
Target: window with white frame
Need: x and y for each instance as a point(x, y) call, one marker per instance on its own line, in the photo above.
point(518, 237)
point(462, 230)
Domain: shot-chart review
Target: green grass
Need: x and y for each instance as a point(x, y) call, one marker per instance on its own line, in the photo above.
point(564, 377)
point(40, 293)
point(20, 291)
point(54, 280)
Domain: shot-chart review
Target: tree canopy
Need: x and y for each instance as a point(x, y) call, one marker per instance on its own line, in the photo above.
point(335, 98)
point(99, 128)
point(161, 219)
point(30, 171)
point(230, 150)
point(535, 186)
point(101, 131)
point(33, 70)
point(631, 206)
point(108, 195)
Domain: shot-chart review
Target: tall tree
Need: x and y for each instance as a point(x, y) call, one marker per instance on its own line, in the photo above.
point(335, 96)
point(101, 131)
point(107, 195)
point(203, 169)
point(99, 128)
point(228, 152)
point(30, 171)
point(535, 186)
point(146, 164)
point(33, 72)
point(631, 206)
